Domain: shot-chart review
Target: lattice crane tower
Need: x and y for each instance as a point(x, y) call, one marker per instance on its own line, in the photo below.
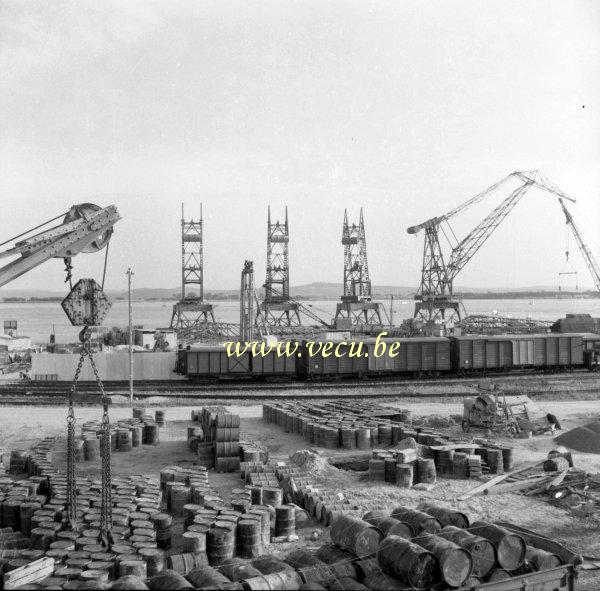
point(277, 309)
point(356, 306)
point(191, 310)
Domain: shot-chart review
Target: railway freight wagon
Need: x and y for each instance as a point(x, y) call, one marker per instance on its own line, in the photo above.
point(414, 356)
point(502, 352)
point(342, 365)
point(212, 361)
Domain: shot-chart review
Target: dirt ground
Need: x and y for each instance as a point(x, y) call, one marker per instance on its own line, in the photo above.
point(21, 427)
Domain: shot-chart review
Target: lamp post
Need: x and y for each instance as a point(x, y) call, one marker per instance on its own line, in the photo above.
point(129, 273)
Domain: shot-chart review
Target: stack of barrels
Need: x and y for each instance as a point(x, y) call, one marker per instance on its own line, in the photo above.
point(126, 435)
point(220, 444)
point(32, 524)
point(403, 468)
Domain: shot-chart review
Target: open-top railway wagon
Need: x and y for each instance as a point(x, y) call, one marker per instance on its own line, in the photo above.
point(413, 357)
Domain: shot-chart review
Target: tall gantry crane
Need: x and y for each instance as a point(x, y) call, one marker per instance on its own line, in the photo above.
point(356, 307)
point(434, 298)
point(588, 257)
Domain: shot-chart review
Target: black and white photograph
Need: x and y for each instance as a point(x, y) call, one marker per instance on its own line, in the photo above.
point(300, 295)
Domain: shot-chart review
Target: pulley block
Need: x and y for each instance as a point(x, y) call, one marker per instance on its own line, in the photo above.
point(86, 304)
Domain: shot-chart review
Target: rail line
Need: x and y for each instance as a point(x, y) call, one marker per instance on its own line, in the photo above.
point(510, 382)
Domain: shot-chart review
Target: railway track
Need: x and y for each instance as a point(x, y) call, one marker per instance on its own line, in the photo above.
point(511, 383)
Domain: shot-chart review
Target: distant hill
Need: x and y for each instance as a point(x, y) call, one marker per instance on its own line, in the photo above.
point(316, 290)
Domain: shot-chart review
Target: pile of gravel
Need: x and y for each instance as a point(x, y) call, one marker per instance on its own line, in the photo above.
point(585, 438)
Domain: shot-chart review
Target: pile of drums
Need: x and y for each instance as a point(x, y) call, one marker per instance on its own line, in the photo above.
point(217, 441)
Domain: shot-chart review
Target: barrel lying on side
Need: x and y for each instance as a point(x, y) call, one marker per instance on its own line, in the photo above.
point(355, 535)
point(408, 562)
point(419, 521)
point(482, 551)
point(456, 564)
point(510, 547)
point(445, 516)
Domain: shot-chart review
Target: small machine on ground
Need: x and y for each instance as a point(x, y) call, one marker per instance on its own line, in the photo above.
point(489, 410)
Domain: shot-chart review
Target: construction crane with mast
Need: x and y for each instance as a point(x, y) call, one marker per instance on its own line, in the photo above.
point(435, 302)
point(588, 257)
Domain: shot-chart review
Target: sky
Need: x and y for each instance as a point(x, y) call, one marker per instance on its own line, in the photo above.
point(403, 108)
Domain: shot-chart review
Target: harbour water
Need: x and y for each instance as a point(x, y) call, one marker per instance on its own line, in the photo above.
point(39, 320)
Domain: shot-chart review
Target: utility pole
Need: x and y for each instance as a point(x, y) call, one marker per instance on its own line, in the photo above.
point(129, 273)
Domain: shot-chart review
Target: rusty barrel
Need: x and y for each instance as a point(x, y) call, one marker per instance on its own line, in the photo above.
point(136, 568)
point(355, 535)
point(163, 523)
point(426, 470)
point(272, 496)
point(331, 554)
point(285, 520)
point(193, 542)
point(542, 559)
point(187, 562)
point(385, 523)
point(207, 577)
point(482, 551)
point(495, 460)
point(408, 562)
point(238, 570)
point(91, 449)
point(419, 521)
point(264, 513)
point(124, 440)
point(137, 433)
point(510, 547)
point(205, 455)
point(376, 470)
point(445, 516)
point(404, 475)
point(150, 436)
point(154, 559)
point(168, 579)
point(159, 417)
point(456, 564)
point(250, 537)
point(220, 545)
point(285, 580)
point(256, 494)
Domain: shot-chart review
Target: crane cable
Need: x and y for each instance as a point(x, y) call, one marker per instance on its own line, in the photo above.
point(62, 215)
point(105, 534)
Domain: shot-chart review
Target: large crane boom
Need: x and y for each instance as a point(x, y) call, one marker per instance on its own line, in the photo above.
point(434, 296)
point(588, 257)
point(85, 228)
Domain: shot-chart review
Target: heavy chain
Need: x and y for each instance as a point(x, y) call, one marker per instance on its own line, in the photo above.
point(105, 537)
point(71, 477)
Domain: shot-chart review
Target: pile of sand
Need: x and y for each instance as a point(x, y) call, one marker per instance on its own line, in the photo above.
point(436, 421)
point(312, 462)
point(585, 438)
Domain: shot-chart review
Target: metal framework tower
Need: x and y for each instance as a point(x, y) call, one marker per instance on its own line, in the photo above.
point(356, 305)
point(247, 296)
point(191, 311)
point(277, 309)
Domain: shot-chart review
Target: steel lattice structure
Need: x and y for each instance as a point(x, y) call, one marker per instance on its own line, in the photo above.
point(192, 311)
point(277, 309)
point(356, 304)
point(435, 302)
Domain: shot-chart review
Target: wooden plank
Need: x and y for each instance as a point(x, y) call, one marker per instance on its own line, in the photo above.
point(451, 446)
point(514, 486)
point(497, 479)
point(30, 573)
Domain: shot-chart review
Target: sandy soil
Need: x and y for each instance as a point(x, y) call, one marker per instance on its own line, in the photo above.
point(20, 427)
